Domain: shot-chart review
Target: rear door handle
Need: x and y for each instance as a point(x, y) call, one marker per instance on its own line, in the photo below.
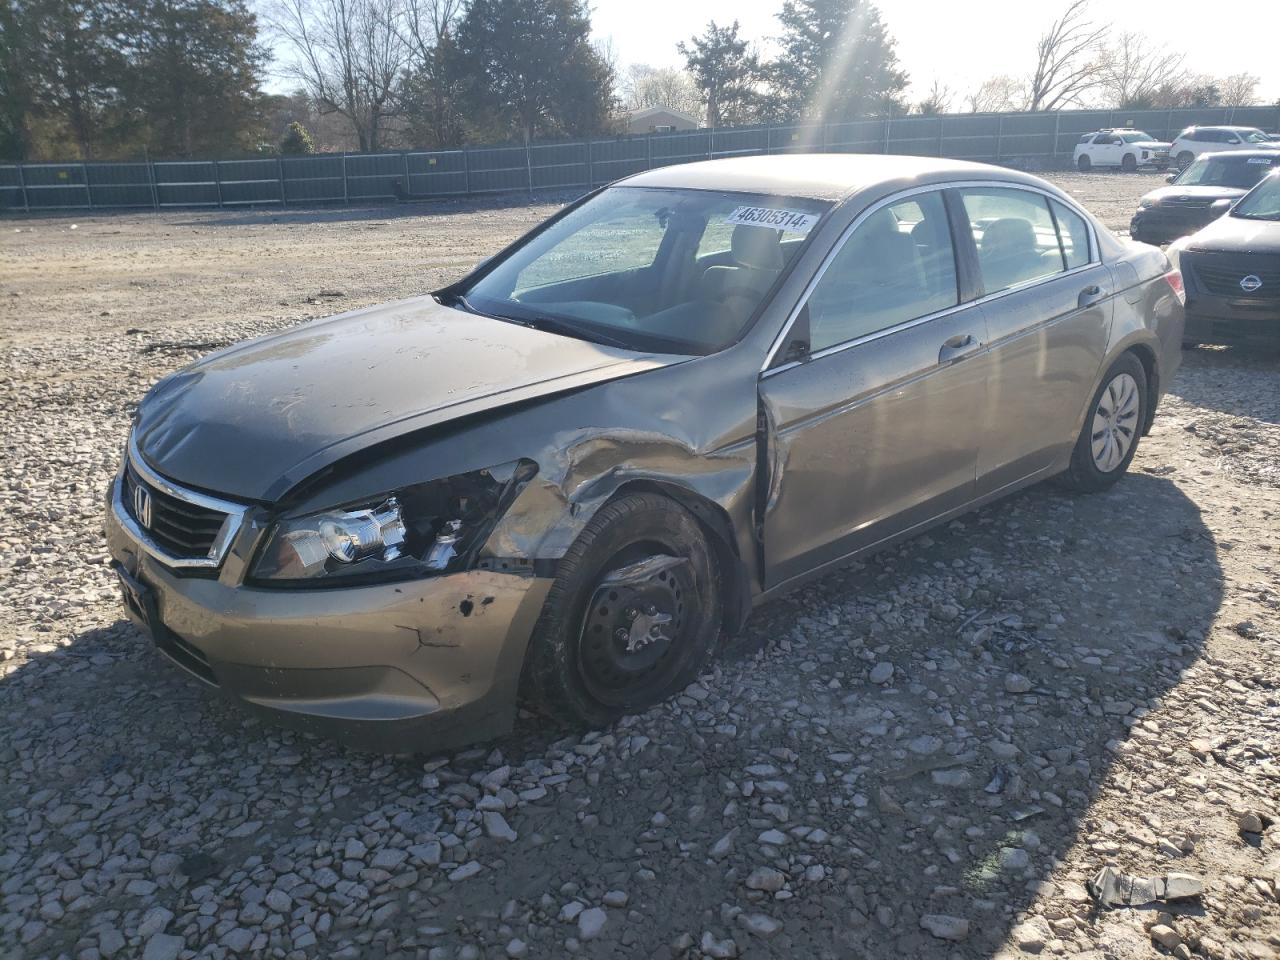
point(1089, 296)
point(959, 347)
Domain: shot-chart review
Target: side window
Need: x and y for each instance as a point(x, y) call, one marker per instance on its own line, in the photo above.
point(1073, 232)
point(1014, 234)
point(896, 266)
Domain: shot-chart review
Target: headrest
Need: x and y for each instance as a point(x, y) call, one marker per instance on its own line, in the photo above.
point(1009, 234)
point(757, 247)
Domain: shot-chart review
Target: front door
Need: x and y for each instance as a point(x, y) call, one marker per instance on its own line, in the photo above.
point(876, 428)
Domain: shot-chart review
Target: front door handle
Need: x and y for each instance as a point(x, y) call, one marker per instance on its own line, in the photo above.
point(1089, 296)
point(959, 347)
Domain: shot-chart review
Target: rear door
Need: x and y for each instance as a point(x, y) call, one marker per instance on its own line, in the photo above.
point(874, 427)
point(1046, 297)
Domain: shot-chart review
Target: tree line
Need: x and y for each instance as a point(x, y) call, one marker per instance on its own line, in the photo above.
point(103, 79)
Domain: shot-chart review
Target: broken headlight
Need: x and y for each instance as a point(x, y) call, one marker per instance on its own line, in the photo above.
point(425, 529)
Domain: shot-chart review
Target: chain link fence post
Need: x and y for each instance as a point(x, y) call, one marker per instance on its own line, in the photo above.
point(217, 180)
point(280, 174)
point(1057, 122)
point(88, 190)
point(466, 172)
point(999, 136)
point(151, 182)
point(22, 186)
point(345, 195)
point(528, 163)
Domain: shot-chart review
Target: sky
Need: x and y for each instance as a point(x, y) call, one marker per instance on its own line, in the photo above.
point(960, 44)
point(964, 43)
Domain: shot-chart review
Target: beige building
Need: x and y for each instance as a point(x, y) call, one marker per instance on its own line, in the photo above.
point(659, 120)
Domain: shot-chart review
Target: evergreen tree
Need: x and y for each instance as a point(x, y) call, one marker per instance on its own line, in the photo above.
point(194, 75)
point(528, 69)
point(837, 63)
point(725, 71)
point(297, 141)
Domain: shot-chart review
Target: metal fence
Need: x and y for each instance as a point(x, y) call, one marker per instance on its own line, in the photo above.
point(1014, 138)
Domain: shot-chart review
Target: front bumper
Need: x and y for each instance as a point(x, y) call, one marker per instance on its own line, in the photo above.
point(404, 667)
point(1158, 225)
point(1232, 320)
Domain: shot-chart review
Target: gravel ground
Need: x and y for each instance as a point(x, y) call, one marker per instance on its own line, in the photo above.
point(923, 755)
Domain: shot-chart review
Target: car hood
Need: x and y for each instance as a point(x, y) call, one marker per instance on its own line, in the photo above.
point(1237, 235)
point(254, 420)
point(1199, 193)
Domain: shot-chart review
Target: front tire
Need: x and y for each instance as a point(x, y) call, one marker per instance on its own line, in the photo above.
point(1128, 163)
point(632, 617)
point(1084, 163)
point(1109, 438)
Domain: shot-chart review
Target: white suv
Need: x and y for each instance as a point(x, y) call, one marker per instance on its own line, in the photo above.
point(1126, 149)
point(1193, 141)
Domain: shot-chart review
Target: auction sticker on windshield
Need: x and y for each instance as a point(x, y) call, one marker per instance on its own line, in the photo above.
point(792, 221)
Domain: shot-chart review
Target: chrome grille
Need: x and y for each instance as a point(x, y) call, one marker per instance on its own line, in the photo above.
point(1188, 203)
point(183, 529)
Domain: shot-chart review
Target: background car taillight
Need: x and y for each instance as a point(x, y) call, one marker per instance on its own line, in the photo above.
point(1174, 279)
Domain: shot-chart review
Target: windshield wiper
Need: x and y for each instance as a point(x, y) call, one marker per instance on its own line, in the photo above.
point(458, 300)
point(564, 328)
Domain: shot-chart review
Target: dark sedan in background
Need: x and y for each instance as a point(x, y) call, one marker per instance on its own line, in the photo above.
point(1199, 194)
point(1232, 272)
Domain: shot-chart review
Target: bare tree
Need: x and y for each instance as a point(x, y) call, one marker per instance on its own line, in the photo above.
point(998, 93)
point(1239, 90)
point(1065, 59)
point(427, 23)
point(938, 100)
point(348, 55)
point(1131, 71)
point(646, 86)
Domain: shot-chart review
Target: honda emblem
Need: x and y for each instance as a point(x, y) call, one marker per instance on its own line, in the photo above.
point(142, 506)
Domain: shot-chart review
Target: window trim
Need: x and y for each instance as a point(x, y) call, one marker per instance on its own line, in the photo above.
point(1095, 257)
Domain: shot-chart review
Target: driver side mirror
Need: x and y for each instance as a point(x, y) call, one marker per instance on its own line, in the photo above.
point(1170, 178)
point(1219, 207)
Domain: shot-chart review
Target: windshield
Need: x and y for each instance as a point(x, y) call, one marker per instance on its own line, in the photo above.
point(1254, 136)
point(1136, 136)
point(1260, 203)
point(1226, 171)
point(650, 269)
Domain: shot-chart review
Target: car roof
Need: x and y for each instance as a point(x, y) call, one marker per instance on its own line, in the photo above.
point(822, 176)
point(1243, 154)
point(1216, 127)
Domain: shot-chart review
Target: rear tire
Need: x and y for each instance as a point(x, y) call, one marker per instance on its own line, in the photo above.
point(1128, 163)
point(1084, 163)
point(1112, 428)
point(1184, 159)
point(613, 639)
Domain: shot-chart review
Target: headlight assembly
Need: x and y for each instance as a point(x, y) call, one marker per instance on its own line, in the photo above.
point(1146, 202)
point(421, 530)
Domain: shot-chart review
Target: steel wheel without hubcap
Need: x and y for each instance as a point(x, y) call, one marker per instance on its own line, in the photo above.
point(1115, 422)
point(634, 631)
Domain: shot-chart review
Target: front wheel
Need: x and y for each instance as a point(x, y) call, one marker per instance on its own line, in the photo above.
point(1128, 163)
point(1084, 163)
point(632, 617)
point(1109, 438)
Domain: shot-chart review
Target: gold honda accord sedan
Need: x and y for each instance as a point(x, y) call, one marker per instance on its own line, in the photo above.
point(564, 478)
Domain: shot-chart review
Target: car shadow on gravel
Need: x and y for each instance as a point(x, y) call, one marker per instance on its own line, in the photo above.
point(1026, 641)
